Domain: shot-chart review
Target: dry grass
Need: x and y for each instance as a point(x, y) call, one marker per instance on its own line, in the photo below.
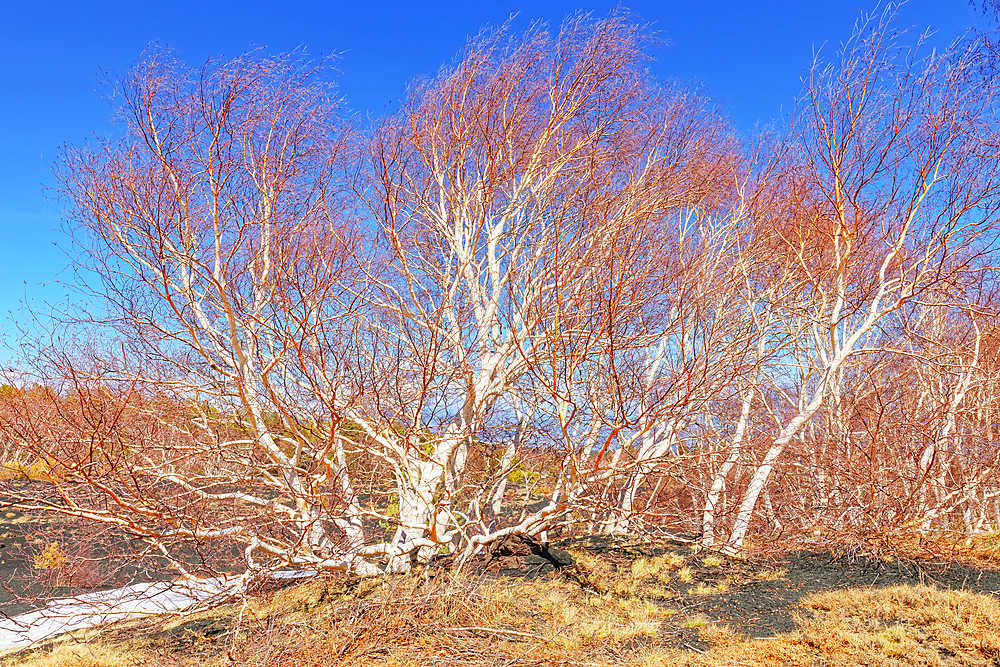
point(89, 655)
point(771, 575)
point(906, 625)
point(712, 561)
point(892, 627)
point(411, 621)
point(983, 547)
point(599, 615)
point(660, 567)
point(35, 471)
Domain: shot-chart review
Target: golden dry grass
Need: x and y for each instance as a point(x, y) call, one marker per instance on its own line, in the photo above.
point(888, 627)
point(608, 617)
point(39, 470)
point(89, 655)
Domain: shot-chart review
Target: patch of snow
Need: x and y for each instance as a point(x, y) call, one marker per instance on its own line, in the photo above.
point(84, 611)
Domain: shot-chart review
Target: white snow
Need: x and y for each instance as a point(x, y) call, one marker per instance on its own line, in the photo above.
point(67, 614)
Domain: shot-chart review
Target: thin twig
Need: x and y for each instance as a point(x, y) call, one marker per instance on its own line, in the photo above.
point(498, 631)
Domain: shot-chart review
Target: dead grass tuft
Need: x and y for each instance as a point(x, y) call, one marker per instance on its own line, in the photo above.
point(37, 471)
point(772, 575)
point(712, 561)
point(659, 567)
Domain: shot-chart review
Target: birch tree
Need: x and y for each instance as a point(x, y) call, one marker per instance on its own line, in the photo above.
point(895, 149)
point(217, 228)
point(503, 189)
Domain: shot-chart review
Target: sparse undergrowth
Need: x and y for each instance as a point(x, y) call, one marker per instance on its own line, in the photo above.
point(618, 605)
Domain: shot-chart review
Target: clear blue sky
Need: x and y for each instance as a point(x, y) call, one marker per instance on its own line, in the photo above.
point(748, 55)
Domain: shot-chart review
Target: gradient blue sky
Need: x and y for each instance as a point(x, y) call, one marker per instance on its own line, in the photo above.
point(748, 55)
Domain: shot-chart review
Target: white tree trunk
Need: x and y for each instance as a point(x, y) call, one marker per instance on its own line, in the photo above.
point(719, 482)
point(763, 472)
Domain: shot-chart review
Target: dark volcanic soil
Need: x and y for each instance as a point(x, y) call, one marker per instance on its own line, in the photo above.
point(14, 565)
point(96, 558)
point(764, 608)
